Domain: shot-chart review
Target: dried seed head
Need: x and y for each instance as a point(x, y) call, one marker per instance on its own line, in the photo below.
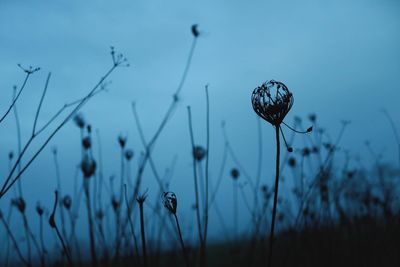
point(292, 162)
point(115, 203)
point(122, 140)
point(86, 142)
point(79, 120)
point(100, 214)
point(195, 30)
point(199, 153)
point(88, 166)
point(19, 203)
point(128, 154)
point(312, 117)
point(39, 209)
point(170, 202)
point(52, 220)
point(235, 174)
point(67, 202)
point(272, 101)
point(141, 198)
point(10, 155)
point(306, 152)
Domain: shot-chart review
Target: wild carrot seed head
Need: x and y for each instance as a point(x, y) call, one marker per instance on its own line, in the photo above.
point(272, 101)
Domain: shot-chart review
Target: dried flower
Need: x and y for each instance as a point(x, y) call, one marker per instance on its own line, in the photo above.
point(292, 162)
point(170, 202)
point(67, 202)
point(88, 166)
point(115, 203)
point(272, 101)
point(86, 142)
point(195, 30)
point(199, 153)
point(235, 174)
point(129, 154)
point(312, 117)
point(79, 120)
point(100, 214)
point(39, 209)
point(122, 140)
point(142, 198)
point(19, 203)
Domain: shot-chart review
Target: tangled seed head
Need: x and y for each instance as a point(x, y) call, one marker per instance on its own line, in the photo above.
point(170, 202)
point(272, 101)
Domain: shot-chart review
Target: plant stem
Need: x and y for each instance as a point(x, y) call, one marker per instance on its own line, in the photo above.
point(271, 236)
point(196, 187)
point(181, 239)
point(143, 233)
point(90, 220)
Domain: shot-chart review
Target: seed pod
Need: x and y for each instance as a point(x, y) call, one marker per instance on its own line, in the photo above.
point(67, 202)
point(128, 154)
point(79, 120)
point(122, 140)
point(86, 142)
point(199, 153)
point(170, 202)
point(235, 174)
point(88, 166)
point(272, 101)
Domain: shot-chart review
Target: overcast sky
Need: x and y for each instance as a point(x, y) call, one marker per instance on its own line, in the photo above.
point(339, 58)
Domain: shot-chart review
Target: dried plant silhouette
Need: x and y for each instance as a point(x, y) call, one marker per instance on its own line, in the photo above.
point(319, 204)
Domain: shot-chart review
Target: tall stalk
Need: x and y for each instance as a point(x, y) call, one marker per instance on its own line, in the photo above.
point(271, 236)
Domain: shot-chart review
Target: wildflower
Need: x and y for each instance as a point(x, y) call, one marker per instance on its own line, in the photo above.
point(199, 153)
point(79, 120)
point(235, 174)
point(170, 202)
point(129, 154)
point(88, 166)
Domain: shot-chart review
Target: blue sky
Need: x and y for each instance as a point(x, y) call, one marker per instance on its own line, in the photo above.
point(339, 58)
